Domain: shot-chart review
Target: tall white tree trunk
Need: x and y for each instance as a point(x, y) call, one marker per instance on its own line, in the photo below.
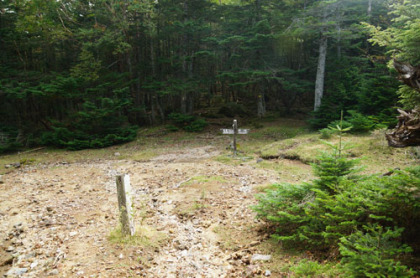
point(320, 72)
point(369, 9)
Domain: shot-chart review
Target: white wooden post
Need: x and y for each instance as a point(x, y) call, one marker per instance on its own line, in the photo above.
point(125, 205)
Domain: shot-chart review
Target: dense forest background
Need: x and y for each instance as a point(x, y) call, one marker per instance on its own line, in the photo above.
point(81, 74)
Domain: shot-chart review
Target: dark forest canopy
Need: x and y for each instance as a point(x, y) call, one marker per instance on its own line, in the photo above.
point(82, 74)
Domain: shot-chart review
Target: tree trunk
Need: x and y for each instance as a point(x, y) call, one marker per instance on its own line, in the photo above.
point(408, 74)
point(407, 131)
point(320, 72)
point(152, 57)
point(369, 9)
point(184, 103)
point(261, 105)
point(160, 109)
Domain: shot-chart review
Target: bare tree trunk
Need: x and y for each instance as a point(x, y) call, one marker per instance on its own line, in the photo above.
point(160, 109)
point(184, 102)
point(369, 9)
point(152, 107)
point(320, 72)
point(152, 57)
point(261, 105)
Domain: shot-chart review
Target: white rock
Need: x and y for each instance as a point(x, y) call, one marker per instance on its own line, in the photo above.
point(16, 272)
point(72, 234)
point(53, 272)
point(34, 264)
point(260, 257)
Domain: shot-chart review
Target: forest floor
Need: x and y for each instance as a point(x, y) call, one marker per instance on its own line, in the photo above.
point(192, 202)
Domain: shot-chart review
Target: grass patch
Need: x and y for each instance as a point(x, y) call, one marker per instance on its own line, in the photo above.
point(309, 269)
point(204, 179)
point(146, 154)
point(275, 132)
point(145, 236)
point(375, 154)
point(228, 159)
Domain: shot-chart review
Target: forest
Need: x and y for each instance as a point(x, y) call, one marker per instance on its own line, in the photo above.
point(323, 179)
point(87, 74)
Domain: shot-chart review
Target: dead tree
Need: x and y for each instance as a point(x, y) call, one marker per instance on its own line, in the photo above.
point(407, 131)
point(408, 74)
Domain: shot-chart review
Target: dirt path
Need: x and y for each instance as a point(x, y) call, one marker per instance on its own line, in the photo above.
point(193, 216)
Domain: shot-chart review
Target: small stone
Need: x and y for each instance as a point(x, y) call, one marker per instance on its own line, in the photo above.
point(14, 212)
point(6, 260)
point(30, 255)
point(1, 179)
point(206, 224)
point(72, 234)
point(121, 256)
point(13, 272)
point(10, 249)
point(245, 260)
point(50, 209)
point(117, 154)
point(259, 257)
point(34, 264)
point(267, 273)
point(254, 243)
point(53, 272)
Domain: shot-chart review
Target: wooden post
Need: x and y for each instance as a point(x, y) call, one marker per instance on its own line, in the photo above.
point(124, 205)
point(235, 132)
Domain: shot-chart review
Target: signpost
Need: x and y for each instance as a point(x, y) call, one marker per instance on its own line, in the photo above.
point(234, 131)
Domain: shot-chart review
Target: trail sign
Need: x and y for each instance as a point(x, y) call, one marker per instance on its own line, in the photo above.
point(234, 131)
point(231, 131)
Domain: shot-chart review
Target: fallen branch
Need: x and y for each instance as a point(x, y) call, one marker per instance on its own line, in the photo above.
point(179, 184)
point(33, 150)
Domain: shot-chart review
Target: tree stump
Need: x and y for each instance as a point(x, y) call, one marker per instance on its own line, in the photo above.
point(407, 131)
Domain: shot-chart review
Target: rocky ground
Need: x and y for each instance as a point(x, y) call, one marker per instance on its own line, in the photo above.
point(193, 219)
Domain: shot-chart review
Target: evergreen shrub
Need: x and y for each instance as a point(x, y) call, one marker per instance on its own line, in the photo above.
point(371, 253)
point(311, 269)
point(100, 124)
point(339, 203)
point(344, 124)
point(8, 141)
point(359, 122)
point(233, 109)
point(63, 137)
point(188, 123)
point(326, 133)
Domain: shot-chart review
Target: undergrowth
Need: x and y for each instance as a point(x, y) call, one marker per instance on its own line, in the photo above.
point(367, 220)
